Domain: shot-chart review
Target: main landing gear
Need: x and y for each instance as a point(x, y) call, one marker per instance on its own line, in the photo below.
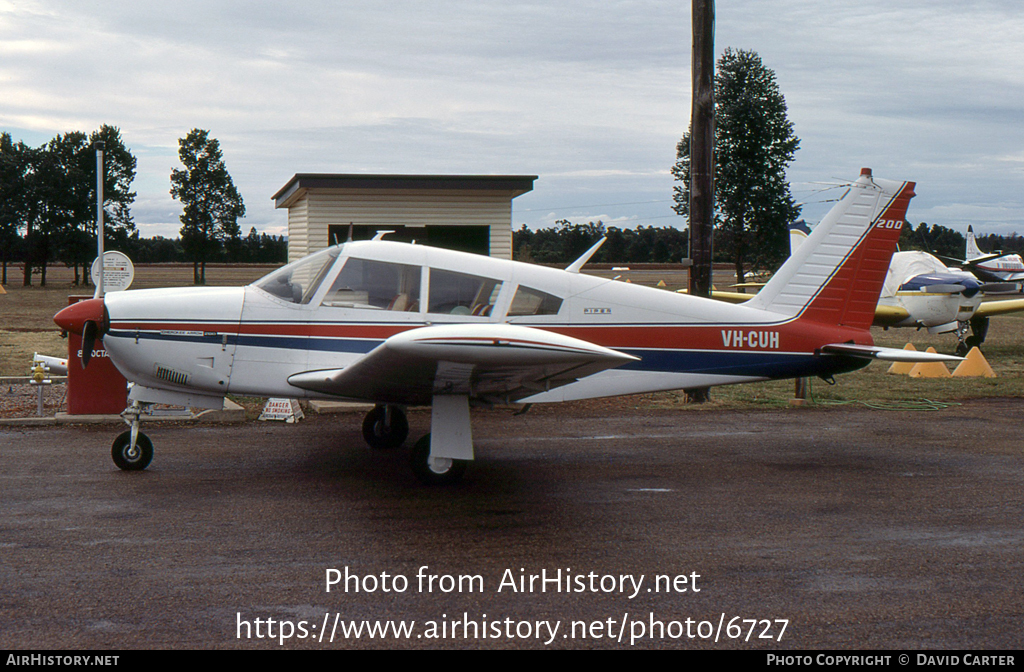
point(979, 329)
point(386, 428)
point(435, 470)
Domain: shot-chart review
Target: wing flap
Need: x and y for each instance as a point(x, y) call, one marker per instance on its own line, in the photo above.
point(498, 362)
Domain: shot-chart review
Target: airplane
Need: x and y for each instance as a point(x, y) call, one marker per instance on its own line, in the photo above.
point(997, 267)
point(921, 292)
point(58, 366)
point(401, 324)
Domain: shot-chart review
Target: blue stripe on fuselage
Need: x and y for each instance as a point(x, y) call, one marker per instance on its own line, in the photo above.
point(731, 363)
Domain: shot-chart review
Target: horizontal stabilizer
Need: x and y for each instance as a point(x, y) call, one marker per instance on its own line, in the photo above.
point(886, 354)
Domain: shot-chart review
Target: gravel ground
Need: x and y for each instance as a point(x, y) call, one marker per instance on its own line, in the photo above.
point(22, 400)
point(860, 528)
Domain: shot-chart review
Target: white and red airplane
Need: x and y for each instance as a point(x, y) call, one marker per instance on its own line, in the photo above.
point(398, 324)
point(995, 266)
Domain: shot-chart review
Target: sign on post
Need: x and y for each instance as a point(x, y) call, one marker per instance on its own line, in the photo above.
point(118, 271)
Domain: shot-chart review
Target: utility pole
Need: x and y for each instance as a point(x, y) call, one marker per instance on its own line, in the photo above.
point(702, 158)
point(702, 143)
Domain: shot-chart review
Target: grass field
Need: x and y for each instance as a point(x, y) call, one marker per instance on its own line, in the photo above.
point(26, 313)
point(26, 326)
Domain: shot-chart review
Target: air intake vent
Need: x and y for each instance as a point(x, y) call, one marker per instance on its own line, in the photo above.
point(171, 376)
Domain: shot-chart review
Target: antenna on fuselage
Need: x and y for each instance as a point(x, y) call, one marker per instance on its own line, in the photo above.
point(575, 266)
point(380, 235)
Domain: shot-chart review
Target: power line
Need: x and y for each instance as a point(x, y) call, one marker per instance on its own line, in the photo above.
point(591, 205)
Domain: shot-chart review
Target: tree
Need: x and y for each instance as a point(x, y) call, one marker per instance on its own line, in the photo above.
point(51, 193)
point(211, 204)
point(754, 142)
point(15, 167)
point(118, 175)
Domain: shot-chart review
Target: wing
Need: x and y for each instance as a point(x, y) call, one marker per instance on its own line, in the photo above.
point(495, 362)
point(886, 316)
point(990, 308)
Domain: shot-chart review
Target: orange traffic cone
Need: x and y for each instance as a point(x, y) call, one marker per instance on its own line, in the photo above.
point(903, 368)
point(974, 365)
point(929, 369)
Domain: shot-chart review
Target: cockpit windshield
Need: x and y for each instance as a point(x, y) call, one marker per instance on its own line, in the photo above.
point(298, 281)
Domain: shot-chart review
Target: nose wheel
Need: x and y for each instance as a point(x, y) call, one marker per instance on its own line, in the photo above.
point(132, 457)
point(132, 450)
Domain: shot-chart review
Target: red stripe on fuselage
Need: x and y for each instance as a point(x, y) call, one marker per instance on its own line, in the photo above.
point(792, 336)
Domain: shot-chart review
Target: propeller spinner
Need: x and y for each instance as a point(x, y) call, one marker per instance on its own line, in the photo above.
point(88, 319)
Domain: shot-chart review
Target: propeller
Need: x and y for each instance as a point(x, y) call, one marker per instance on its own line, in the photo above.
point(999, 287)
point(87, 318)
point(89, 331)
point(945, 289)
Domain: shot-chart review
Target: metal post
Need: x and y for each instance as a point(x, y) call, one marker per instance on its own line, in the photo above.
point(99, 215)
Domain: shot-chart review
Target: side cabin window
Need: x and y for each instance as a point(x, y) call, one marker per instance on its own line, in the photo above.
point(377, 285)
point(298, 281)
point(529, 301)
point(462, 294)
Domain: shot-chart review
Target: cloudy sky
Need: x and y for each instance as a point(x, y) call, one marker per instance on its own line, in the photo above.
point(591, 97)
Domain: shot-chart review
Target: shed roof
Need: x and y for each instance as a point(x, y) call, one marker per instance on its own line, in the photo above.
point(515, 184)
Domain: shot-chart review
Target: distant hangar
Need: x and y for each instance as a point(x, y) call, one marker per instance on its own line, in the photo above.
point(472, 213)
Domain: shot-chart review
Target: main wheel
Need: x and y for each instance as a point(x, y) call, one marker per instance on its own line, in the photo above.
point(437, 471)
point(128, 459)
point(382, 435)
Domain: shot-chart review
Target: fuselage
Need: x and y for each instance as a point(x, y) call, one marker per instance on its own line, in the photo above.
point(331, 308)
point(931, 294)
point(1009, 268)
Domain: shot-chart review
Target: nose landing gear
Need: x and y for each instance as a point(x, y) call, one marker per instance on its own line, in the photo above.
point(132, 450)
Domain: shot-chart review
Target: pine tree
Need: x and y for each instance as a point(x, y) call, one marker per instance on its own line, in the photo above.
point(211, 203)
point(754, 143)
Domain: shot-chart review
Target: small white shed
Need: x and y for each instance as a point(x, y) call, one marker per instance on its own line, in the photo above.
point(472, 213)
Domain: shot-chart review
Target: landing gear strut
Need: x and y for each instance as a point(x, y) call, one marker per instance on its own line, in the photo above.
point(385, 427)
point(979, 329)
point(132, 450)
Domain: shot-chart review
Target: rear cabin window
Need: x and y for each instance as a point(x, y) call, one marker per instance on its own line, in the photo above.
point(462, 294)
point(378, 285)
point(529, 301)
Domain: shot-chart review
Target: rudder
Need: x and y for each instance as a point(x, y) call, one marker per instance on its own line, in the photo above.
point(836, 276)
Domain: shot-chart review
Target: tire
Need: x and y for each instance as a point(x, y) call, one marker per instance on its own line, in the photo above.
point(126, 461)
point(429, 473)
point(381, 437)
